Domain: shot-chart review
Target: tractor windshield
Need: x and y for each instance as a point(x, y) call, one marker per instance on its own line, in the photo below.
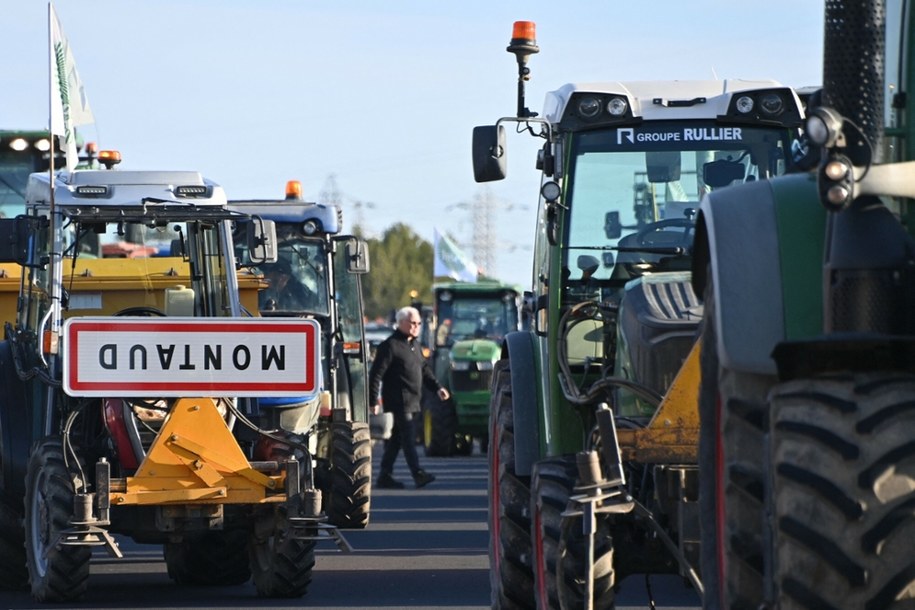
point(133, 268)
point(633, 193)
point(463, 317)
point(297, 281)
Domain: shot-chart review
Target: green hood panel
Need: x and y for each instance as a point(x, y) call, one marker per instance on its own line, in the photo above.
point(476, 350)
point(801, 222)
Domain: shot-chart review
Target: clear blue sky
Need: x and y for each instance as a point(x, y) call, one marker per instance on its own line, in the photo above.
point(383, 95)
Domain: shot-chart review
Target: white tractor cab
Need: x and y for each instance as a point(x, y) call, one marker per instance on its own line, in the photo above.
point(316, 276)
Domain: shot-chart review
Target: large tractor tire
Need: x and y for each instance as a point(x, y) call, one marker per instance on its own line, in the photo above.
point(281, 566)
point(510, 574)
point(56, 572)
point(439, 428)
point(552, 482)
point(349, 498)
point(843, 497)
point(14, 573)
point(733, 423)
point(571, 568)
point(215, 558)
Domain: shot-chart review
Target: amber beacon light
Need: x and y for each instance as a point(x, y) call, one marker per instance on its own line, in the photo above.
point(523, 44)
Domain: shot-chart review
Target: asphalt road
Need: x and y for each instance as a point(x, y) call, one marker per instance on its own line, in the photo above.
point(422, 549)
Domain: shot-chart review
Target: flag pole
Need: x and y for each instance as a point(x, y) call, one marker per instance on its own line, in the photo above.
point(51, 104)
point(55, 263)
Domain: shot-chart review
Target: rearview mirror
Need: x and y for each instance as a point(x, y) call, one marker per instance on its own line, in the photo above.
point(261, 236)
point(613, 228)
point(662, 165)
point(357, 256)
point(14, 240)
point(722, 172)
point(489, 153)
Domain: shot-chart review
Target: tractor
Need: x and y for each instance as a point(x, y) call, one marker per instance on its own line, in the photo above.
point(594, 420)
point(469, 321)
point(317, 276)
point(131, 379)
point(807, 441)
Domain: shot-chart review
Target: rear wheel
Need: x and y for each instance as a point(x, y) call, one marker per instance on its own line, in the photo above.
point(733, 422)
point(56, 572)
point(510, 574)
point(551, 485)
point(843, 499)
point(215, 558)
point(349, 496)
point(439, 428)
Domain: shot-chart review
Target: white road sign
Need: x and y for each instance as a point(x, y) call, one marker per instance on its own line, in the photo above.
point(189, 357)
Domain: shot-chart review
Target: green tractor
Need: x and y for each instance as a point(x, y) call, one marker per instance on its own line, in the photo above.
point(469, 321)
point(807, 443)
point(594, 420)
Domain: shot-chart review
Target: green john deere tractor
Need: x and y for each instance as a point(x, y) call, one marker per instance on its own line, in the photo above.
point(469, 322)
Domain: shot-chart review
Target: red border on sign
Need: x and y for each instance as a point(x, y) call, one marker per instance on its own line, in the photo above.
point(199, 326)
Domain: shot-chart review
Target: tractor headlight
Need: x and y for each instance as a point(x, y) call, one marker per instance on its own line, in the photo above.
point(745, 104)
point(772, 104)
point(589, 107)
point(460, 365)
point(617, 106)
point(484, 366)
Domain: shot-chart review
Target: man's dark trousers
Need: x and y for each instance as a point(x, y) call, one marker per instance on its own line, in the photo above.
point(402, 437)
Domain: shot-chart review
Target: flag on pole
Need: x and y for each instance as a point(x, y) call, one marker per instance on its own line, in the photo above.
point(451, 262)
point(69, 104)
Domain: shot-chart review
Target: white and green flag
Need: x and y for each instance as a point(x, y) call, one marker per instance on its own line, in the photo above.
point(451, 262)
point(69, 104)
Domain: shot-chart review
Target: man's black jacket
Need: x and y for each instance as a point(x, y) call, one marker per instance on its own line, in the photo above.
point(399, 372)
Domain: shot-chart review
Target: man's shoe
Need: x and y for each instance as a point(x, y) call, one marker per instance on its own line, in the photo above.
point(423, 478)
point(386, 481)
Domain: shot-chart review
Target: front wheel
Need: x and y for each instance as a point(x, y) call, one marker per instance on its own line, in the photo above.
point(572, 565)
point(510, 575)
point(552, 482)
point(281, 566)
point(732, 429)
point(843, 499)
point(56, 572)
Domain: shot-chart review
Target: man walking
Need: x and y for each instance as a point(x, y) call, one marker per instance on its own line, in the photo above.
point(399, 373)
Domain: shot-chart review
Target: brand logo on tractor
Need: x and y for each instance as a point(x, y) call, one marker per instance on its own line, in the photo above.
point(688, 134)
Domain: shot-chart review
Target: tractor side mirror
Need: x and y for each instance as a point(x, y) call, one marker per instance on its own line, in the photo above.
point(261, 236)
point(357, 256)
point(14, 240)
point(490, 157)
